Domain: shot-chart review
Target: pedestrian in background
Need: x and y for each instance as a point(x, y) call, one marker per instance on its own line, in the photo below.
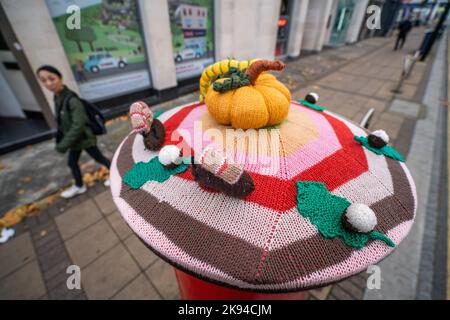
point(403, 29)
point(79, 71)
point(74, 134)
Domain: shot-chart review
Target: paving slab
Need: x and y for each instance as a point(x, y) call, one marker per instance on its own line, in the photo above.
point(109, 274)
point(119, 225)
point(105, 202)
point(91, 243)
point(15, 253)
point(138, 289)
point(143, 255)
point(162, 275)
point(23, 284)
point(77, 218)
point(321, 293)
point(407, 108)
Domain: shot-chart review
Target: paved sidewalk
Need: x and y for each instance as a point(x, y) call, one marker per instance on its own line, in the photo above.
point(88, 230)
point(409, 272)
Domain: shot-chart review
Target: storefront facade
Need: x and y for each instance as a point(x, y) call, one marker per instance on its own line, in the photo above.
point(133, 49)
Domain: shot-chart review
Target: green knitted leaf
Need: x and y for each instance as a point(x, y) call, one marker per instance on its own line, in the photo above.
point(153, 170)
point(388, 151)
point(235, 78)
point(311, 105)
point(325, 211)
point(157, 114)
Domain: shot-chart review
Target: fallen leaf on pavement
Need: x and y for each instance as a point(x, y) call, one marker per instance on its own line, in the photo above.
point(15, 215)
point(26, 179)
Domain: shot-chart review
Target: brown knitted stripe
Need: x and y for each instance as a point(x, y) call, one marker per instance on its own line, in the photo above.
point(303, 257)
point(399, 207)
point(402, 187)
point(225, 252)
point(125, 158)
point(303, 253)
point(239, 258)
point(228, 253)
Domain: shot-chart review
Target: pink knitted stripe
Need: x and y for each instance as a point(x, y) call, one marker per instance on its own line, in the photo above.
point(141, 126)
point(240, 218)
point(359, 261)
point(369, 182)
point(267, 245)
point(254, 224)
point(156, 240)
point(299, 161)
point(140, 114)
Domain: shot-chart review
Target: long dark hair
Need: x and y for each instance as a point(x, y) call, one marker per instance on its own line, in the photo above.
point(50, 69)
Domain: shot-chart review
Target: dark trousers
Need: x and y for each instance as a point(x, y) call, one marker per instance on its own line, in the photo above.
point(400, 41)
point(74, 156)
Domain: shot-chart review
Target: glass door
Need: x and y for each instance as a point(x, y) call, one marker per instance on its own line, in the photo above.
point(342, 22)
point(283, 29)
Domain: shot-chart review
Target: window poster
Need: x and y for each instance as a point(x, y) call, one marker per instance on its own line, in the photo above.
point(105, 49)
point(191, 23)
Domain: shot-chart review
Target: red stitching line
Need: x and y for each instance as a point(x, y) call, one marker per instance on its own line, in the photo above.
point(141, 126)
point(139, 113)
point(266, 247)
point(222, 168)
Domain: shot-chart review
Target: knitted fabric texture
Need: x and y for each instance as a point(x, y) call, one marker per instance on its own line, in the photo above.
point(221, 69)
point(325, 211)
point(215, 162)
point(261, 66)
point(311, 105)
point(359, 217)
point(264, 102)
point(170, 156)
point(257, 239)
point(208, 180)
point(153, 170)
point(234, 80)
point(141, 117)
point(154, 138)
point(156, 114)
point(388, 151)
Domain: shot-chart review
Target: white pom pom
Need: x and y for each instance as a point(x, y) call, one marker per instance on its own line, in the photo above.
point(312, 97)
point(382, 135)
point(170, 155)
point(360, 217)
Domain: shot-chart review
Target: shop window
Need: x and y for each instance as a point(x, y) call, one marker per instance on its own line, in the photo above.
point(192, 36)
point(107, 53)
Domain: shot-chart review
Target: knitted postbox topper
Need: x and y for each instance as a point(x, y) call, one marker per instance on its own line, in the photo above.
point(287, 207)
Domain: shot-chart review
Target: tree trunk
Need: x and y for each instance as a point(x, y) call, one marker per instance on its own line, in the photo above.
point(80, 48)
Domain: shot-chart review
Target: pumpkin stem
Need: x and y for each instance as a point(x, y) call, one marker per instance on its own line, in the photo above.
point(257, 67)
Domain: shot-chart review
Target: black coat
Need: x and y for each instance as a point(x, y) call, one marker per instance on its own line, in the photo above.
point(404, 27)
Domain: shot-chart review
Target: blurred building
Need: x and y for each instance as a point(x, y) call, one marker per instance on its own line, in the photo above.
point(113, 52)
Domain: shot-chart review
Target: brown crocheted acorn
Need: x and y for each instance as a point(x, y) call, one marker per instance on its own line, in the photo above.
point(378, 139)
point(154, 139)
point(152, 129)
point(312, 97)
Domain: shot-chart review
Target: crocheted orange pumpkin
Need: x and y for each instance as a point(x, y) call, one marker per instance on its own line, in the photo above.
point(249, 98)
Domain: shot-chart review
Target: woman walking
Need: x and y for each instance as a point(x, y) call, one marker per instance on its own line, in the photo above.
point(74, 134)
